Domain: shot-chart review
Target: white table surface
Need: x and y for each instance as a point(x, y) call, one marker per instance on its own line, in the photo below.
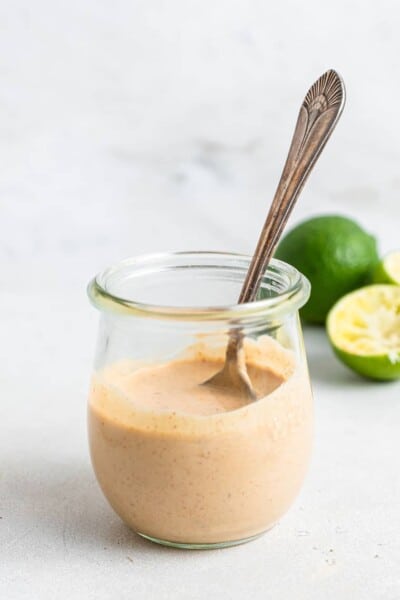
point(129, 127)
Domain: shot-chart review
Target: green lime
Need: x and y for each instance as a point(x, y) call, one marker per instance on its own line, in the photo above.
point(388, 270)
point(364, 330)
point(335, 254)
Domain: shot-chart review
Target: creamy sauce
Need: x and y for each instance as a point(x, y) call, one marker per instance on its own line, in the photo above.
point(176, 386)
point(192, 464)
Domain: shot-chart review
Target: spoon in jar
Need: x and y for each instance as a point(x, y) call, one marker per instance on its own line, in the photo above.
point(317, 118)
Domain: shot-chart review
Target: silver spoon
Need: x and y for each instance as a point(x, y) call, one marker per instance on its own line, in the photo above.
point(317, 118)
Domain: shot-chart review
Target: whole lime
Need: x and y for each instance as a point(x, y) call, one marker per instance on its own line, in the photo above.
point(335, 254)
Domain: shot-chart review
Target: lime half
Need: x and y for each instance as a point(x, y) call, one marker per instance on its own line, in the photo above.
point(364, 330)
point(388, 270)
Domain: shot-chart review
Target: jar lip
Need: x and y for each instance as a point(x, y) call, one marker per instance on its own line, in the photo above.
point(292, 298)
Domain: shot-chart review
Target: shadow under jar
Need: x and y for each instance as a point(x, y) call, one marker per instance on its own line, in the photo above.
point(184, 464)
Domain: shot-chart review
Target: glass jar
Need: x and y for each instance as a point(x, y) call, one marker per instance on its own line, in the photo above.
point(184, 464)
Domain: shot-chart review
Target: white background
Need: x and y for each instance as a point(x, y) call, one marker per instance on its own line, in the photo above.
point(128, 127)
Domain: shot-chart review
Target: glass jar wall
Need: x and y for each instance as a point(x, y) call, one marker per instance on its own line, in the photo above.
point(183, 463)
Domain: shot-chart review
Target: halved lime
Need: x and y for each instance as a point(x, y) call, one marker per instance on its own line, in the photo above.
point(364, 330)
point(388, 270)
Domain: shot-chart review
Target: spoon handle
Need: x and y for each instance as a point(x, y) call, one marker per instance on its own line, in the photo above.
point(317, 118)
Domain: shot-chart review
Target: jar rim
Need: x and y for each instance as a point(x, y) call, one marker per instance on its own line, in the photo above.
point(293, 297)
